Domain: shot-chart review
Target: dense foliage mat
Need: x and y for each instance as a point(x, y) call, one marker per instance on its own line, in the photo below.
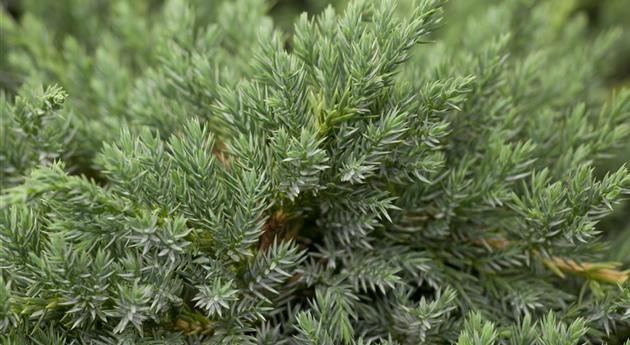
point(184, 172)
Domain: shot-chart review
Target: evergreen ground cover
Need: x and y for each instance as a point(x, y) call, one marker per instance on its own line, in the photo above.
point(378, 172)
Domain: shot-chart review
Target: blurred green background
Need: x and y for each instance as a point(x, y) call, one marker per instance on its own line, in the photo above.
point(65, 18)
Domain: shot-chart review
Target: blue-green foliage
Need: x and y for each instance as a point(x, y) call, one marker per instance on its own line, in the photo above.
point(378, 176)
